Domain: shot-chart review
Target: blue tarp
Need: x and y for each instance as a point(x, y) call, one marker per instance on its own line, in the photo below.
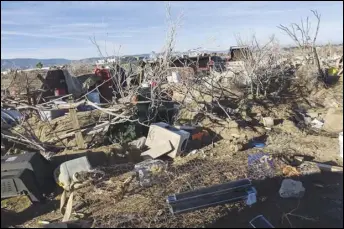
point(9, 115)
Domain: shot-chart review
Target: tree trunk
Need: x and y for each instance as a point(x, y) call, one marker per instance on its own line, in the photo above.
point(317, 62)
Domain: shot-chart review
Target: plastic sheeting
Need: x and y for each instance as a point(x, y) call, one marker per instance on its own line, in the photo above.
point(10, 116)
point(75, 87)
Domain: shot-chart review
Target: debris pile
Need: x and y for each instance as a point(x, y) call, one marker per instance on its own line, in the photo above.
point(171, 141)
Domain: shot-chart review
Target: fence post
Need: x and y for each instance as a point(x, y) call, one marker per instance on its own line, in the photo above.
point(75, 123)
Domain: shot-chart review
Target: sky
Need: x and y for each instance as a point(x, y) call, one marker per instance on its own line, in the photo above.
point(63, 29)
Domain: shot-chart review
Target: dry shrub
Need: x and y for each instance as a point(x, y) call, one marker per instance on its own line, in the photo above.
point(78, 69)
point(19, 81)
point(264, 73)
point(147, 207)
point(306, 78)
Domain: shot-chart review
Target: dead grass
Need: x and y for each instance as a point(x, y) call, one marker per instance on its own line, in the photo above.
point(146, 207)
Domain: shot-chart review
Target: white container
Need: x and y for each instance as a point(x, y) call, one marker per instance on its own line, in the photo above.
point(341, 144)
point(159, 132)
point(64, 173)
point(50, 115)
point(268, 122)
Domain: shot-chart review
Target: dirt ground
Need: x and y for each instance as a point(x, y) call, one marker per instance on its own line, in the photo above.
point(221, 161)
point(322, 205)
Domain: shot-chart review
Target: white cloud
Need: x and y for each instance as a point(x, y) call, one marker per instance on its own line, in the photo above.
point(4, 22)
point(46, 53)
point(17, 12)
point(38, 35)
point(119, 36)
point(81, 25)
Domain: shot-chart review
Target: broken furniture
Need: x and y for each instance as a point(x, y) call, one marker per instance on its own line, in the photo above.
point(161, 134)
point(211, 196)
point(28, 173)
point(260, 222)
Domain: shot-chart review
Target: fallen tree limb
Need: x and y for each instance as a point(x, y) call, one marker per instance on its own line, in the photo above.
point(24, 141)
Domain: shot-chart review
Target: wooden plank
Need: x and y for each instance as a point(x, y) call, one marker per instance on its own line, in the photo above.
point(75, 123)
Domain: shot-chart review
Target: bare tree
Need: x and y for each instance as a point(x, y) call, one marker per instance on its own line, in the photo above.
point(261, 65)
point(301, 35)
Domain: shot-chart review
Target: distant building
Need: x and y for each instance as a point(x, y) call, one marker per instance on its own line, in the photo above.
point(111, 60)
point(105, 61)
point(100, 62)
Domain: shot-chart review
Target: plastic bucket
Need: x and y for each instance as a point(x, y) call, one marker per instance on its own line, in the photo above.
point(93, 97)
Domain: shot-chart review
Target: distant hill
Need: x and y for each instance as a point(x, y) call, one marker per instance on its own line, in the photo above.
point(24, 63)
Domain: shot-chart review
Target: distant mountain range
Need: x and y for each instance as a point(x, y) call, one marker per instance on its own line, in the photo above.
point(26, 63)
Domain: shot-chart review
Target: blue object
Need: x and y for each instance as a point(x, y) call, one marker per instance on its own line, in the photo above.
point(258, 144)
point(171, 198)
point(85, 108)
point(251, 196)
point(94, 98)
point(9, 115)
